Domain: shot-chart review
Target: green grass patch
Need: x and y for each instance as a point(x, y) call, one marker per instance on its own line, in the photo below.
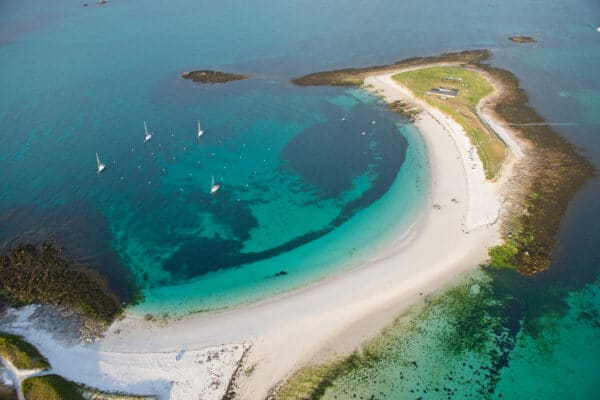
point(472, 87)
point(20, 353)
point(50, 387)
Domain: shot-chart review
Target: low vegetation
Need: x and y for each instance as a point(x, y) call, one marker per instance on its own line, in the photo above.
point(20, 353)
point(50, 387)
point(40, 274)
point(472, 87)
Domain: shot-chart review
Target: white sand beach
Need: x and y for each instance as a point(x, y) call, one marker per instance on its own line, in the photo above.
point(332, 316)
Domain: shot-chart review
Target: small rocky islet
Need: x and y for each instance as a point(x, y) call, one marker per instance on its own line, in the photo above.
point(522, 39)
point(204, 76)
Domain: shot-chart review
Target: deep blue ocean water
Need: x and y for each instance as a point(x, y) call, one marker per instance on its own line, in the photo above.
point(297, 182)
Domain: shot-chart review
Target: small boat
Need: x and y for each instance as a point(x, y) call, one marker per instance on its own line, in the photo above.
point(213, 186)
point(101, 166)
point(148, 134)
point(200, 131)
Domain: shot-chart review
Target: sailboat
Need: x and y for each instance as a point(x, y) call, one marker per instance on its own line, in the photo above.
point(213, 186)
point(101, 166)
point(148, 134)
point(200, 131)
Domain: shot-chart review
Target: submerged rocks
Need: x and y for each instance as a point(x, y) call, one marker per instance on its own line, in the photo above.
point(210, 76)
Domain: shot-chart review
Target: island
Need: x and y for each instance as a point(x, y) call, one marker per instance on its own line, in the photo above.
point(522, 39)
point(203, 76)
point(501, 181)
point(534, 171)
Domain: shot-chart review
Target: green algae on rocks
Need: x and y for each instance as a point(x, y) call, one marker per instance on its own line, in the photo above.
point(41, 275)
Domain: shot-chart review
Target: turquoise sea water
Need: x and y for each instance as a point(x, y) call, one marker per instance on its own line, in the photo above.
point(310, 194)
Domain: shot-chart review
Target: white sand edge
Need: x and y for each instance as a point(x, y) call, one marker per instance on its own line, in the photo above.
point(338, 312)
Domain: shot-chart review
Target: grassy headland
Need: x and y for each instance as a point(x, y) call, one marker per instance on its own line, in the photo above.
point(472, 87)
point(20, 353)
